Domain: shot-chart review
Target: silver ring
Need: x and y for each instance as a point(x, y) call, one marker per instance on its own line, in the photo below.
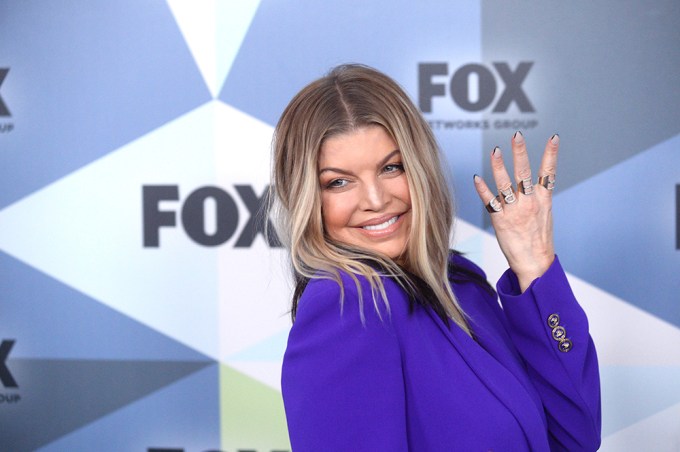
point(526, 186)
point(508, 195)
point(494, 205)
point(548, 182)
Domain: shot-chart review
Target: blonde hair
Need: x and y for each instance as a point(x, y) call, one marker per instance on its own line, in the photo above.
point(348, 98)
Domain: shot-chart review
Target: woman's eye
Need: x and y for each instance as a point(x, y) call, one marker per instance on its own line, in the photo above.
point(393, 168)
point(337, 183)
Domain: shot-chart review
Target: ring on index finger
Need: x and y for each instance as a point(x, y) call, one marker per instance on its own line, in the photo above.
point(494, 205)
point(508, 195)
point(547, 181)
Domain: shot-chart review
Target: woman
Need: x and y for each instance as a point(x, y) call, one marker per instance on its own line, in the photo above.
point(397, 343)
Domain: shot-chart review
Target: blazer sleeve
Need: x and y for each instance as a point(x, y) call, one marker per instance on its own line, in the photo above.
point(550, 331)
point(342, 381)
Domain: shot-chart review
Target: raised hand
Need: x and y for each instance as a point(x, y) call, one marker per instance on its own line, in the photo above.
point(521, 214)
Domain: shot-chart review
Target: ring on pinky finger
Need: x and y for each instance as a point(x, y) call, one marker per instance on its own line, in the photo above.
point(547, 181)
point(494, 205)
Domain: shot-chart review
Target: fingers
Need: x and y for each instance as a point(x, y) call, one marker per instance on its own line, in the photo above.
point(548, 169)
point(501, 177)
point(520, 158)
point(490, 200)
point(522, 174)
point(495, 203)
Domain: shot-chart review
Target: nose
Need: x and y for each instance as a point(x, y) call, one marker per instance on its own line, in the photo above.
point(374, 196)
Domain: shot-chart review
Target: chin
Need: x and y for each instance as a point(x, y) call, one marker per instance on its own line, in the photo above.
point(396, 253)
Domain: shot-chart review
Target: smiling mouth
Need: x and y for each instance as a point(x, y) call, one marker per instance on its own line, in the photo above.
point(381, 226)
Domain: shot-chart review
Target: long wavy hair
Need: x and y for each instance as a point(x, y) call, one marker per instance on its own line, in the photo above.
point(348, 98)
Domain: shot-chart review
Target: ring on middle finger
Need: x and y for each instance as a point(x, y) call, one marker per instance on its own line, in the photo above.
point(526, 186)
point(508, 195)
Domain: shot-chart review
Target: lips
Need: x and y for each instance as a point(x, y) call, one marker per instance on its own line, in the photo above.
point(381, 226)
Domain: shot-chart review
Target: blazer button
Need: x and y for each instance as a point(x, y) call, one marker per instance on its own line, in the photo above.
point(559, 333)
point(565, 345)
point(553, 320)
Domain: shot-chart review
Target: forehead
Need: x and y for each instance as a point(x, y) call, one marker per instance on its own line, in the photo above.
point(360, 145)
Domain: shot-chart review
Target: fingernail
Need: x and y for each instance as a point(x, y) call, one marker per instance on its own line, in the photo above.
point(555, 139)
point(496, 152)
point(476, 179)
point(518, 138)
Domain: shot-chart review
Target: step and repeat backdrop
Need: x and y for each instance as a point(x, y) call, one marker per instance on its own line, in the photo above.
point(142, 307)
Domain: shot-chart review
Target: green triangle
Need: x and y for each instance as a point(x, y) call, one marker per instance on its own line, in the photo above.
point(252, 414)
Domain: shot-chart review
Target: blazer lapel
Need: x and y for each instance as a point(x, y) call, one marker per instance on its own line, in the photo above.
point(499, 380)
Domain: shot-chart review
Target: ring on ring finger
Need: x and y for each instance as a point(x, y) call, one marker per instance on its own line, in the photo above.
point(508, 195)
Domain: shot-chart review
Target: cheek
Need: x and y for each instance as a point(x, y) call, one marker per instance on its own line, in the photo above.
point(407, 195)
point(336, 213)
point(402, 191)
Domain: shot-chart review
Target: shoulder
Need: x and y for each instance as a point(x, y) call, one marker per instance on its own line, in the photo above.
point(351, 299)
point(341, 373)
point(459, 264)
point(469, 282)
point(337, 327)
point(463, 271)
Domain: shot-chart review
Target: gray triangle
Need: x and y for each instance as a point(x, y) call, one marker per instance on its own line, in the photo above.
point(55, 397)
point(604, 78)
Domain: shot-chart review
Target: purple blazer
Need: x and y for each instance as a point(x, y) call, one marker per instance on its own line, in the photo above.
point(409, 382)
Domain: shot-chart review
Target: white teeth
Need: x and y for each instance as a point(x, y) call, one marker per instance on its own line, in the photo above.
point(377, 227)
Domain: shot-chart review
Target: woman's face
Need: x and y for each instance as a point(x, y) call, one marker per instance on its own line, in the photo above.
point(364, 191)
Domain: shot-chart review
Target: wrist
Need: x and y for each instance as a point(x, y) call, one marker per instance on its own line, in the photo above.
point(527, 274)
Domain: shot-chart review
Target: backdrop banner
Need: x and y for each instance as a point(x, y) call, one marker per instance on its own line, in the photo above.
point(142, 307)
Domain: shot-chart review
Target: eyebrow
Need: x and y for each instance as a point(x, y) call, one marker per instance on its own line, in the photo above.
point(387, 158)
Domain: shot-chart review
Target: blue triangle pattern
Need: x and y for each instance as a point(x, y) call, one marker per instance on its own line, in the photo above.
point(184, 415)
point(107, 94)
point(624, 220)
point(60, 396)
point(311, 38)
point(48, 319)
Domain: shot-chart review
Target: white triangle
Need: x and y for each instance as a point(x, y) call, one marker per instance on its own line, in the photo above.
point(254, 284)
point(214, 31)
point(660, 433)
point(623, 333)
point(86, 231)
